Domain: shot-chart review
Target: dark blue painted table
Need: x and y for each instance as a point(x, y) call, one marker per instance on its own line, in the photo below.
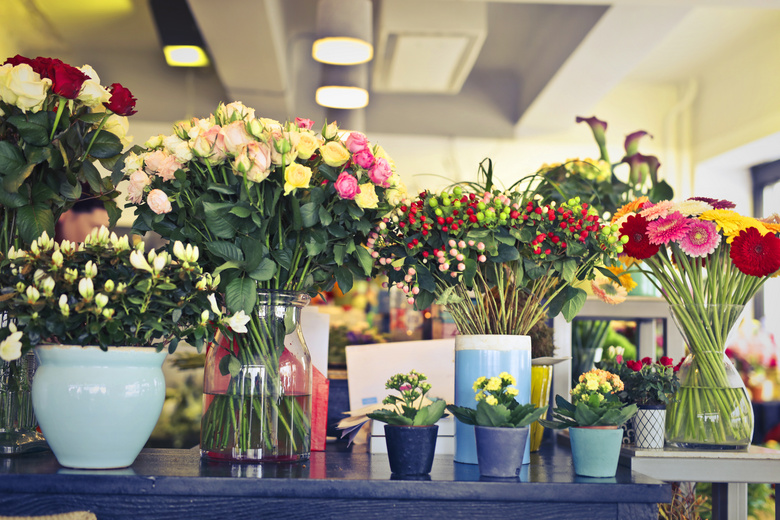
point(166, 483)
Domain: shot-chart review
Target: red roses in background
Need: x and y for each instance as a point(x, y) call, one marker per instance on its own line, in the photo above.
point(665, 361)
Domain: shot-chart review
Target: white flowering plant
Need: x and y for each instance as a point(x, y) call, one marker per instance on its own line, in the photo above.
point(409, 409)
point(104, 292)
point(57, 123)
point(497, 406)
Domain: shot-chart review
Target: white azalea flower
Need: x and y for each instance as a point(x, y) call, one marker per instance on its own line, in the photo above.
point(214, 307)
point(238, 322)
point(11, 347)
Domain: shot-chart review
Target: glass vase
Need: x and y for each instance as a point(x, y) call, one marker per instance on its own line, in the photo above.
point(712, 409)
point(257, 390)
point(18, 428)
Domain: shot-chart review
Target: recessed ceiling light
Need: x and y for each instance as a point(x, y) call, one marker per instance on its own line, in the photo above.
point(185, 56)
point(341, 97)
point(342, 51)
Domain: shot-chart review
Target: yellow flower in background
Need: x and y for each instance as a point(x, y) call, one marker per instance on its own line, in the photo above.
point(512, 392)
point(491, 400)
point(507, 378)
point(494, 385)
point(731, 222)
point(479, 383)
point(625, 278)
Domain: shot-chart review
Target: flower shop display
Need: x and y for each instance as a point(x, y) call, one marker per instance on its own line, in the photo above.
point(501, 425)
point(101, 317)
point(475, 249)
point(56, 122)
point(411, 429)
point(708, 261)
point(280, 212)
point(593, 418)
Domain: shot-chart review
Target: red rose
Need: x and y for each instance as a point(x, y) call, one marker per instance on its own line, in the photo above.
point(122, 102)
point(647, 361)
point(666, 361)
point(636, 366)
point(45, 66)
point(678, 365)
point(67, 80)
point(18, 60)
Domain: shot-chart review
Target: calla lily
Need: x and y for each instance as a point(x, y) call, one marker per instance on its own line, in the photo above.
point(598, 127)
point(642, 167)
point(632, 142)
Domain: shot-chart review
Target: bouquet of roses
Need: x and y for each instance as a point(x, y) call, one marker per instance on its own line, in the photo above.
point(476, 250)
point(56, 121)
point(708, 261)
point(274, 207)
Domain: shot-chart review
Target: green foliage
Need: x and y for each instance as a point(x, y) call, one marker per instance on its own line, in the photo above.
point(409, 410)
point(610, 412)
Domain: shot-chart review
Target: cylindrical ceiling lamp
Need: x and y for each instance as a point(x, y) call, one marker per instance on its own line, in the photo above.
point(344, 31)
point(343, 87)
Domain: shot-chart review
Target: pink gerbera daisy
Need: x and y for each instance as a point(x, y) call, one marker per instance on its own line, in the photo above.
point(656, 211)
point(670, 228)
point(701, 239)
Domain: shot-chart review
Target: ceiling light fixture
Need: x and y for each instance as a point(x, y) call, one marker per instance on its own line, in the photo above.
point(345, 32)
point(343, 87)
point(182, 42)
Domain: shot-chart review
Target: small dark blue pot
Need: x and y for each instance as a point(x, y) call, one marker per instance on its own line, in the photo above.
point(410, 449)
point(500, 450)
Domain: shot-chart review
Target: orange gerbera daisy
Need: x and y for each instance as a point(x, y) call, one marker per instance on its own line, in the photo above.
point(631, 207)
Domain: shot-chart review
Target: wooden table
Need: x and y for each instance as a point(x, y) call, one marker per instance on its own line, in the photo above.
point(729, 471)
point(166, 483)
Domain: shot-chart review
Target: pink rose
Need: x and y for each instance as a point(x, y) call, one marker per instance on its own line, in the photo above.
point(153, 161)
point(380, 172)
point(304, 123)
point(363, 158)
point(135, 193)
point(254, 161)
point(140, 178)
point(356, 142)
point(168, 168)
point(236, 136)
point(158, 202)
point(346, 186)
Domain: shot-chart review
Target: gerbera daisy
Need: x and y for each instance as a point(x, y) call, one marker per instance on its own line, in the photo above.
point(625, 278)
point(755, 254)
point(654, 211)
point(608, 291)
point(701, 239)
point(638, 245)
point(728, 221)
point(668, 229)
point(691, 207)
point(716, 203)
point(631, 207)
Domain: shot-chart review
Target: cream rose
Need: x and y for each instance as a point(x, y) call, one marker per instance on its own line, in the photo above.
point(119, 126)
point(334, 154)
point(154, 141)
point(158, 202)
point(296, 176)
point(24, 88)
point(133, 162)
point(178, 148)
point(236, 136)
point(366, 197)
point(307, 145)
point(92, 93)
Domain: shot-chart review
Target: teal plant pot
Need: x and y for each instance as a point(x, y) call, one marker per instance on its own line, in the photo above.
point(595, 451)
point(500, 451)
point(97, 409)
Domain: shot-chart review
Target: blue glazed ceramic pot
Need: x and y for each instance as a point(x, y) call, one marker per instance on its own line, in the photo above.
point(500, 451)
point(410, 449)
point(97, 409)
point(595, 450)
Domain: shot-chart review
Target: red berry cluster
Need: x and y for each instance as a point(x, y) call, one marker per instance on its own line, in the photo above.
point(556, 228)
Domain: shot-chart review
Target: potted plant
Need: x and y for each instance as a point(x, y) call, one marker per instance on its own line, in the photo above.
point(281, 211)
point(56, 122)
point(593, 418)
point(411, 429)
point(651, 386)
point(101, 317)
point(501, 425)
point(476, 249)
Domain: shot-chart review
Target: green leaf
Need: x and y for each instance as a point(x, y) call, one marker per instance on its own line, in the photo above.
point(310, 214)
point(113, 212)
point(33, 220)
point(496, 416)
point(316, 242)
point(221, 227)
point(506, 253)
point(227, 266)
point(105, 145)
point(225, 250)
point(240, 294)
point(343, 278)
point(297, 218)
point(264, 271)
point(240, 211)
point(12, 200)
point(574, 303)
point(11, 158)
point(14, 180)
point(366, 262)
point(92, 175)
point(463, 414)
point(339, 250)
point(325, 216)
point(569, 269)
point(35, 130)
point(254, 252)
point(70, 191)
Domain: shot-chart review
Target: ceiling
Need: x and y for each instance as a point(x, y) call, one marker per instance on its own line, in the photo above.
point(540, 63)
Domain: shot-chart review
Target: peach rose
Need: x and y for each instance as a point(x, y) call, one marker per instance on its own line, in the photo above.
point(253, 161)
point(158, 202)
point(236, 136)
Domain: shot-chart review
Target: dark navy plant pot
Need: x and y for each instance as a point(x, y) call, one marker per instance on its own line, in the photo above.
point(500, 450)
point(410, 449)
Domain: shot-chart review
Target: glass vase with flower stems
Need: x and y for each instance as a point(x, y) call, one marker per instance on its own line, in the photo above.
point(281, 213)
point(708, 261)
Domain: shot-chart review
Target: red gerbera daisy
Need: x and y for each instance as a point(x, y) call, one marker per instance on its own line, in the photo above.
point(755, 254)
point(638, 245)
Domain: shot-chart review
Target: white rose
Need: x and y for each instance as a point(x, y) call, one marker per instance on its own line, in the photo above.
point(178, 148)
point(118, 125)
point(92, 93)
point(133, 162)
point(24, 88)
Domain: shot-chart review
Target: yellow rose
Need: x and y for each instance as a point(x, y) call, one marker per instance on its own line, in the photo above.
point(118, 125)
point(296, 176)
point(334, 154)
point(22, 87)
point(367, 198)
point(307, 145)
